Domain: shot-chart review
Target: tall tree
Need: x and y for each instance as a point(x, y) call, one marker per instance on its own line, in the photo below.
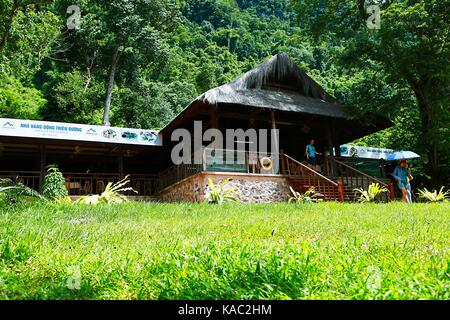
point(411, 48)
point(123, 35)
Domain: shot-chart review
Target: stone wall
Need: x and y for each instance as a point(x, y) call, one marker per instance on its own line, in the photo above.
point(250, 187)
point(190, 189)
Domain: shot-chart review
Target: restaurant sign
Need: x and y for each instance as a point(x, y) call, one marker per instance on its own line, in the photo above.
point(365, 152)
point(78, 132)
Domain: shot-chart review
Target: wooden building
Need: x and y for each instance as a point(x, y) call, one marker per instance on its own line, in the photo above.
point(275, 95)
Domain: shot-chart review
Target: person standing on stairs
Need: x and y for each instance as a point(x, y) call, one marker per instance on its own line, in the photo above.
point(311, 153)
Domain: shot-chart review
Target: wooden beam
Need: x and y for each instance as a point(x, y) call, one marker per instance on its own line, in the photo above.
point(330, 137)
point(42, 166)
point(275, 137)
point(120, 165)
point(214, 116)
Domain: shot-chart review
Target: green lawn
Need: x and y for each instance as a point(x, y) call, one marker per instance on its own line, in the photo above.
point(200, 251)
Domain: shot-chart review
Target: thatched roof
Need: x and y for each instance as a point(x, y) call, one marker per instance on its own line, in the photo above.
point(276, 84)
point(300, 92)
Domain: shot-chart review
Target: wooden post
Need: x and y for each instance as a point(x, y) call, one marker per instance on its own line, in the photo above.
point(330, 138)
point(214, 117)
point(120, 163)
point(42, 160)
point(383, 168)
point(391, 191)
point(283, 164)
point(341, 190)
point(274, 146)
point(203, 151)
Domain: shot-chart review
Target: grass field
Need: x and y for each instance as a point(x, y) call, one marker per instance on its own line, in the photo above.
point(200, 251)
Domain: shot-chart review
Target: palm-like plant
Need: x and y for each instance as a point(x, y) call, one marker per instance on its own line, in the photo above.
point(14, 189)
point(222, 193)
point(307, 197)
point(371, 193)
point(434, 196)
point(113, 194)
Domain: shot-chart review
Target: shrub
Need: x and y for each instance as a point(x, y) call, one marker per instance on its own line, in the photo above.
point(307, 197)
point(54, 183)
point(112, 194)
point(222, 193)
point(434, 196)
point(371, 193)
point(11, 191)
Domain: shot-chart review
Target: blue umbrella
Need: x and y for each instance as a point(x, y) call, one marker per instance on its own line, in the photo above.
point(400, 155)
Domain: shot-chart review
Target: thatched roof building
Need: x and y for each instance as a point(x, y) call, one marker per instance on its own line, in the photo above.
point(301, 106)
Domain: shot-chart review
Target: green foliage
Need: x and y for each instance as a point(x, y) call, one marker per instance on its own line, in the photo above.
point(75, 98)
point(18, 101)
point(400, 70)
point(371, 194)
point(13, 191)
point(307, 197)
point(222, 193)
point(434, 196)
point(170, 52)
point(54, 183)
point(112, 194)
point(151, 251)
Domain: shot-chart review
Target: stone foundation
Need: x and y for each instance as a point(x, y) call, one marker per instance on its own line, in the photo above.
point(250, 188)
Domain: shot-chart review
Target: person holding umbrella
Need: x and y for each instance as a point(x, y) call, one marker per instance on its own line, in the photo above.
point(402, 173)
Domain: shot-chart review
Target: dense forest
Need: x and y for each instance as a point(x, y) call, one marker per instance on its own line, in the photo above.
point(143, 61)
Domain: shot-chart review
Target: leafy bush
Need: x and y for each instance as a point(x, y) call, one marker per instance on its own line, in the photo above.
point(307, 197)
point(222, 193)
point(434, 196)
point(112, 194)
point(11, 191)
point(371, 193)
point(54, 183)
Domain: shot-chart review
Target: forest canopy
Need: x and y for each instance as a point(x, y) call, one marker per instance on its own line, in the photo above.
point(145, 60)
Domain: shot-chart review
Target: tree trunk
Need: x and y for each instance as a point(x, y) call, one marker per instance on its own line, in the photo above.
point(109, 89)
point(8, 25)
point(428, 120)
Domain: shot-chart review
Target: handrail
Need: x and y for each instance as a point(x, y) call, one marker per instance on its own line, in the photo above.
point(19, 172)
point(310, 170)
point(359, 172)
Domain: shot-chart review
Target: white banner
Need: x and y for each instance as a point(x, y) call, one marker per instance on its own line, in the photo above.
point(365, 152)
point(78, 132)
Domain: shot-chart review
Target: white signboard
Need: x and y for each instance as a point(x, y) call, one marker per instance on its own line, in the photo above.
point(78, 132)
point(365, 152)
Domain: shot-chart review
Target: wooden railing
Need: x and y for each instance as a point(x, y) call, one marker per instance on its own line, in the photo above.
point(308, 177)
point(354, 178)
point(372, 167)
point(95, 183)
point(29, 178)
point(218, 160)
point(177, 173)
